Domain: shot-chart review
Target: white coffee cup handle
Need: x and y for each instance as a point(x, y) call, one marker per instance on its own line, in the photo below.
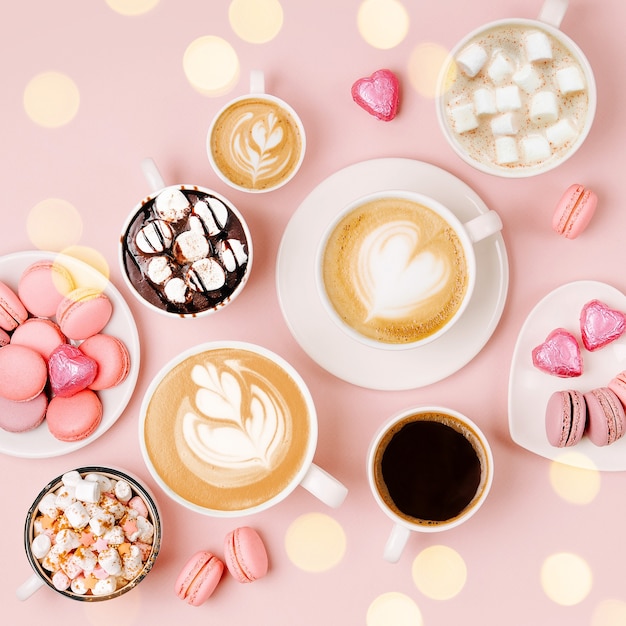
point(324, 486)
point(553, 11)
point(396, 543)
point(257, 81)
point(484, 225)
point(152, 175)
point(28, 587)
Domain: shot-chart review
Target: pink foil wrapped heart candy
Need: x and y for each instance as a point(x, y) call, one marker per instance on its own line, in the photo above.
point(378, 94)
point(559, 355)
point(599, 325)
point(70, 370)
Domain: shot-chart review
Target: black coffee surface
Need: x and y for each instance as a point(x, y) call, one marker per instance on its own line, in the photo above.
point(431, 471)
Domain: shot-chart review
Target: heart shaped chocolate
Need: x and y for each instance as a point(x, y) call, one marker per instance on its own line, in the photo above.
point(378, 94)
point(559, 355)
point(600, 324)
point(70, 370)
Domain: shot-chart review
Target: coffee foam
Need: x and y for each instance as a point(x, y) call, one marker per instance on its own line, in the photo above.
point(256, 143)
point(227, 429)
point(394, 270)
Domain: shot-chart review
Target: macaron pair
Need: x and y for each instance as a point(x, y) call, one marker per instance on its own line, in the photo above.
point(574, 211)
point(246, 559)
point(43, 285)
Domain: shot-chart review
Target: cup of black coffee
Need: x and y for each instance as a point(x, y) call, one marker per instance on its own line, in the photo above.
point(429, 469)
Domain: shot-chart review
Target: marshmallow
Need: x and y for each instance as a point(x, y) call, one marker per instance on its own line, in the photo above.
point(101, 523)
point(64, 497)
point(544, 107)
point(105, 586)
point(232, 253)
point(538, 46)
point(71, 479)
point(88, 491)
point(508, 98)
point(112, 506)
point(191, 246)
point(471, 59)
point(213, 215)
point(570, 79)
point(115, 537)
point(463, 118)
point(77, 515)
point(79, 586)
point(71, 568)
point(66, 540)
point(159, 270)
point(535, 148)
point(484, 101)
point(505, 124)
point(154, 237)
point(176, 290)
point(560, 133)
point(132, 563)
point(47, 506)
point(85, 558)
point(500, 69)
point(172, 205)
point(123, 491)
point(527, 78)
point(40, 546)
point(106, 484)
point(52, 560)
point(206, 275)
point(110, 561)
point(137, 504)
point(60, 580)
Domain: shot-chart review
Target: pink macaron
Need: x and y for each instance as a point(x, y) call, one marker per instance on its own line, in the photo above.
point(19, 417)
point(76, 417)
point(606, 420)
point(574, 211)
point(566, 418)
point(618, 386)
point(84, 312)
point(43, 285)
point(112, 358)
point(245, 554)
point(23, 373)
point(198, 578)
point(12, 310)
point(39, 333)
point(5, 338)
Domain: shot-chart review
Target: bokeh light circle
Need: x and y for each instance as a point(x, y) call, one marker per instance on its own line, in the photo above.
point(439, 572)
point(256, 21)
point(575, 478)
point(393, 609)
point(132, 7)
point(211, 65)
point(51, 99)
point(94, 259)
point(566, 578)
point(383, 23)
point(425, 65)
point(315, 542)
point(54, 224)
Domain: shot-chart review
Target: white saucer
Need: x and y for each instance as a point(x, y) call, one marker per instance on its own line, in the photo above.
point(39, 443)
point(530, 388)
point(318, 334)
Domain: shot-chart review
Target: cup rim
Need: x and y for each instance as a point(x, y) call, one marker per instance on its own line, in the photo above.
point(140, 489)
point(210, 310)
point(258, 96)
point(307, 460)
point(418, 198)
point(521, 172)
point(476, 502)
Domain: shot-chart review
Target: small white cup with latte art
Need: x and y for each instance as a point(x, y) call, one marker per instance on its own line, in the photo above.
point(397, 269)
point(256, 143)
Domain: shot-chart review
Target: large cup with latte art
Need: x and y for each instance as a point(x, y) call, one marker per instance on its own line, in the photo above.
point(230, 428)
point(397, 269)
point(256, 142)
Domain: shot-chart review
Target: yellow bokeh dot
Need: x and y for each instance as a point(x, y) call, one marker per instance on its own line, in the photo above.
point(256, 21)
point(575, 478)
point(425, 65)
point(439, 572)
point(566, 578)
point(132, 7)
point(395, 609)
point(51, 99)
point(54, 224)
point(383, 23)
point(609, 613)
point(315, 542)
point(90, 257)
point(211, 65)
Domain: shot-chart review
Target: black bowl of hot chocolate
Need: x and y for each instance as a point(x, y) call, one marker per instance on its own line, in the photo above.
point(186, 251)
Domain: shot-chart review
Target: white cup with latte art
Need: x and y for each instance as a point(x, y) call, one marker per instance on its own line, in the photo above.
point(256, 143)
point(397, 269)
point(230, 429)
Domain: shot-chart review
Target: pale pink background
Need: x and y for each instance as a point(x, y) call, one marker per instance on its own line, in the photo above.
point(136, 102)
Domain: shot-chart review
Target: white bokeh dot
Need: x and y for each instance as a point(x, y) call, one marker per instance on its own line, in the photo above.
point(256, 21)
point(575, 478)
point(393, 609)
point(51, 99)
point(425, 65)
point(211, 65)
point(132, 7)
point(439, 572)
point(383, 23)
point(315, 542)
point(54, 224)
point(566, 578)
point(609, 613)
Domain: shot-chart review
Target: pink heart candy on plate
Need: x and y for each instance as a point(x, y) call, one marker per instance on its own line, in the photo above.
point(378, 94)
point(70, 370)
point(600, 324)
point(559, 355)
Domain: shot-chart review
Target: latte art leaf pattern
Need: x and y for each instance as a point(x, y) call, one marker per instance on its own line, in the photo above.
point(237, 426)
